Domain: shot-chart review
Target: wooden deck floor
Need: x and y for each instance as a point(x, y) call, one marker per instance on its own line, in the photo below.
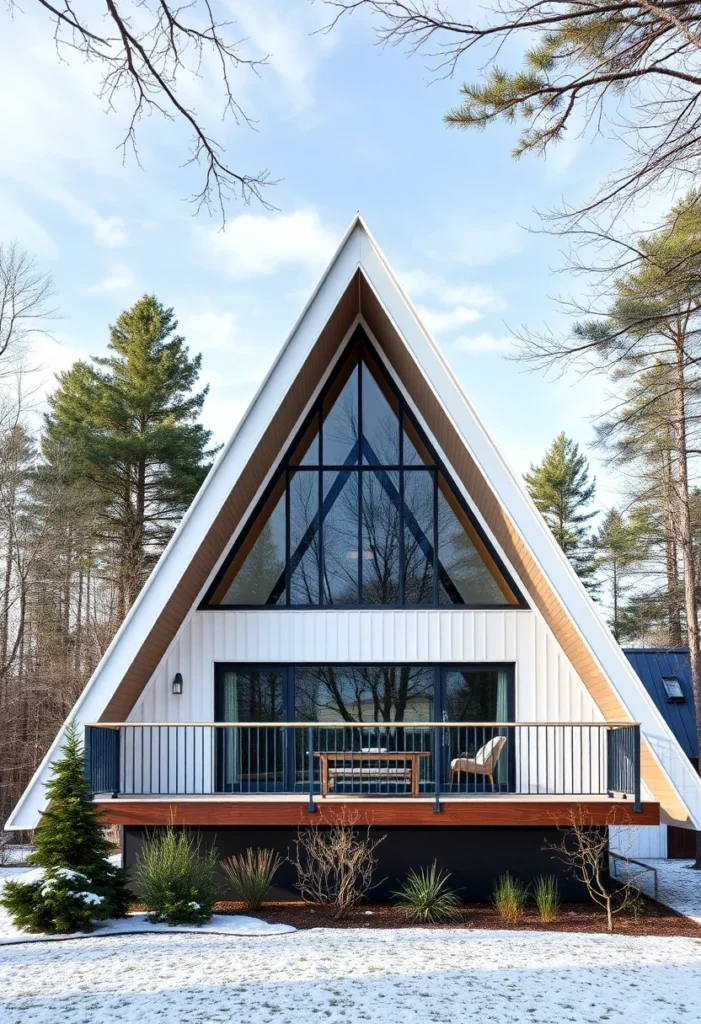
point(293, 810)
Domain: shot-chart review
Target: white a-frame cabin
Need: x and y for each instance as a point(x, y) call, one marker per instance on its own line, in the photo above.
point(363, 614)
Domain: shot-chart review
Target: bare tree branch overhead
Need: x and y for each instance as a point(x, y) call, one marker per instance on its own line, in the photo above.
point(633, 64)
point(25, 299)
point(146, 50)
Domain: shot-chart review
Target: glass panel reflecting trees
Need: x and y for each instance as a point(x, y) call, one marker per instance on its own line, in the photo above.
point(362, 514)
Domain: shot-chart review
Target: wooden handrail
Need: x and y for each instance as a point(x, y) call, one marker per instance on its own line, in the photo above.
point(363, 725)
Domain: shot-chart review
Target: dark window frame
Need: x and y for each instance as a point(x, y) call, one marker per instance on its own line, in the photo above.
point(357, 346)
point(287, 670)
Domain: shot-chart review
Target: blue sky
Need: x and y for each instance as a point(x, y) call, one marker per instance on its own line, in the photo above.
point(345, 126)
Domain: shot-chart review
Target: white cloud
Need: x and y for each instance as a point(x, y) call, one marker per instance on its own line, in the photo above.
point(443, 321)
point(108, 230)
point(209, 330)
point(484, 342)
point(420, 283)
point(289, 35)
point(117, 278)
point(476, 243)
point(259, 244)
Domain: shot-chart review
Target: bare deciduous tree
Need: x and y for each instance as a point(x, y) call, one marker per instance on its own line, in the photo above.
point(25, 299)
point(584, 850)
point(144, 50)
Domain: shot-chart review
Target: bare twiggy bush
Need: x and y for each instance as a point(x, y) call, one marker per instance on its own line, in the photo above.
point(335, 865)
point(584, 849)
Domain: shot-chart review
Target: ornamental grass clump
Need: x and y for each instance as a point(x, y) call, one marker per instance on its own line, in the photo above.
point(175, 878)
point(251, 875)
point(546, 894)
point(509, 898)
point(426, 898)
point(75, 883)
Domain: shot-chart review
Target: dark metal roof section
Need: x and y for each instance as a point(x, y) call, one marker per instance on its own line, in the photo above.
point(653, 665)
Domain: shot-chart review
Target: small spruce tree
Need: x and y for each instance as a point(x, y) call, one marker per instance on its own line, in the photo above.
point(78, 884)
point(562, 491)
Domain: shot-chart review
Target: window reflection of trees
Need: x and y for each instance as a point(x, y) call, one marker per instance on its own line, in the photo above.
point(377, 538)
point(384, 693)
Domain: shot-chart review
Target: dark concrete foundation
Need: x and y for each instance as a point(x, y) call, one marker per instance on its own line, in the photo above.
point(474, 856)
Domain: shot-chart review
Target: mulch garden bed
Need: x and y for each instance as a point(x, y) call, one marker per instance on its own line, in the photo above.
point(654, 918)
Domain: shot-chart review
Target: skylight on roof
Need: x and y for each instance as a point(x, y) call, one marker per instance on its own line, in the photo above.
point(673, 689)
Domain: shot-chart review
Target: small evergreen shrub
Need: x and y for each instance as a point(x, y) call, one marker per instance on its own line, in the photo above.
point(251, 875)
point(175, 878)
point(546, 894)
point(509, 898)
point(79, 884)
point(426, 897)
point(62, 901)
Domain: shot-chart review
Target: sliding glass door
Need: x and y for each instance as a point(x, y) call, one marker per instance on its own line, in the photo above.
point(477, 758)
point(353, 712)
point(251, 758)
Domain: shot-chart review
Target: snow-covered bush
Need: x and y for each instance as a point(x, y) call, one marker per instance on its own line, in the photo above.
point(61, 900)
point(175, 878)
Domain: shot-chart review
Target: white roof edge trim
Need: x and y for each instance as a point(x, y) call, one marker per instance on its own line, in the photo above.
point(552, 561)
point(506, 487)
point(24, 816)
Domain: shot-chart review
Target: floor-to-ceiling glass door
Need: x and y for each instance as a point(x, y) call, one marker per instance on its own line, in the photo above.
point(362, 721)
point(477, 754)
point(250, 758)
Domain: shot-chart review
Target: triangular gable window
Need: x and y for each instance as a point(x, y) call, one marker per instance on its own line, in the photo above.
point(361, 512)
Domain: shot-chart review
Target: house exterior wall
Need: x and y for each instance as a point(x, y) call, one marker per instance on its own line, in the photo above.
point(547, 687)
point(648, 841)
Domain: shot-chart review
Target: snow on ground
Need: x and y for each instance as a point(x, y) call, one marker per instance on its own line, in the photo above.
point(678, 886)
point(220, 924)
point(349, 976)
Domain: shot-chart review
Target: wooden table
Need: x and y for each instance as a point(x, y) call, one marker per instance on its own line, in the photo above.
point(410, 771)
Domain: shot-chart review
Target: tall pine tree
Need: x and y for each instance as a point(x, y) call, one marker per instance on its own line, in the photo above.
point(127, 424)
point(562, 491)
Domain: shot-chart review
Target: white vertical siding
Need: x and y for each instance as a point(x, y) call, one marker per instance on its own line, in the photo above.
point(639, 843)
point(547, 688)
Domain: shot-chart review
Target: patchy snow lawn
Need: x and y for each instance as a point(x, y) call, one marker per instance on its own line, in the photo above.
point(328, 975)
point(679, 887)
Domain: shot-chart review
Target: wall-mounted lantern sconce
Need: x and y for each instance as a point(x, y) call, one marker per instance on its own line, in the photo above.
point(177, 683)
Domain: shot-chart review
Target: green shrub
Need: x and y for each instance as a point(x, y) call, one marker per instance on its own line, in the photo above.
point(509, 897)
point(251, 875)
point(546, 894)
point(62, 901)
point(79, 883)
point(426, 897)
point(175, 878)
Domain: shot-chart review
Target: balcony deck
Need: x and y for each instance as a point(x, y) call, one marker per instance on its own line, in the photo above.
point(292, 810)
point(383, 773)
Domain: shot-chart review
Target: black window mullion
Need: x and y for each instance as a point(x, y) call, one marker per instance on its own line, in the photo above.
point(402, 553)
point(287, 537)
point(401, 433)
point(360, 481)
point(434, 474)
point(321, 512)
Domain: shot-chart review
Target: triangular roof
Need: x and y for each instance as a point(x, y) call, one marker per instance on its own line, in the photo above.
point(360, 287)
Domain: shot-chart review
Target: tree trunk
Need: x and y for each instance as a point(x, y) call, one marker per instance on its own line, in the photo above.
point(671, 560)
point(685, 537)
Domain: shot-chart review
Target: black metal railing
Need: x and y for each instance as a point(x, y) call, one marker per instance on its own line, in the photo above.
point(387, 759)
